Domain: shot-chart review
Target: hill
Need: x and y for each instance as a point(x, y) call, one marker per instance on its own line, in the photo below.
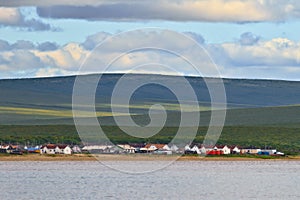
point(56, 92)
point(259, 112)
point(49, 100)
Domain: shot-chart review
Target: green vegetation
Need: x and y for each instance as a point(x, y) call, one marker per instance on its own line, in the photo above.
point(285, 139)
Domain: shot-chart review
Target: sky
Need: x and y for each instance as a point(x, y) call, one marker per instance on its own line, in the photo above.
point(256, 39)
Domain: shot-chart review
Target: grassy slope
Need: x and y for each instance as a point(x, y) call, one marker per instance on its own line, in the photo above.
point(37, 108)
point(280, 116)
point(274, 126)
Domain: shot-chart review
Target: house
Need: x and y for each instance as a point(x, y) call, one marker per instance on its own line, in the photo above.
point(55, 149)
point(8, 148)
point(76, 149)
point(191, 149)
point(196, 149)
point(224, 148)
point(113, 150)
point(268, 152)
point(154, 147)
point(105, 149)
point(214, 151)
point(157, 148)
point(187, 148)
point(204, 149)
point(235, 149)
point(174, 148)
point(48, 149)
point(64, 149)
point(127, 148)
point(138, 147)
point(250, 150)
point(96, 148)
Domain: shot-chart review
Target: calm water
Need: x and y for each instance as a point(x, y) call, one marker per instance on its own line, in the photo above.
point(181, 180)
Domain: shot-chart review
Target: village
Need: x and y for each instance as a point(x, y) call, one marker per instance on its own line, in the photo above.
point(160, 149)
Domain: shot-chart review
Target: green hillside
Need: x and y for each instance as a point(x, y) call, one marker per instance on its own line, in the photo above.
point(260, 112)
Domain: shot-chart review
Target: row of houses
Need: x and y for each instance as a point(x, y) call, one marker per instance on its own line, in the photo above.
point(159, 149)
point(141, 148)
point(11, 149)
point(226, 150)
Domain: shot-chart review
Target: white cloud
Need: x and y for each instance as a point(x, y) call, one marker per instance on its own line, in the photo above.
point(67, 57)
point(276, 58)
point(276, 52)
point(9, 16)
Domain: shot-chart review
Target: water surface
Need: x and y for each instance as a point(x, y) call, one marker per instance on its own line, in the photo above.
point(181, 180)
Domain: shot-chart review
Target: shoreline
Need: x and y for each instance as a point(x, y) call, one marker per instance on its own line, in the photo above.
point(137, 157)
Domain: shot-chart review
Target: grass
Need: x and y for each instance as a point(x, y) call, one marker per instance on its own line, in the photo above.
point(277, 127)
point(50, 113)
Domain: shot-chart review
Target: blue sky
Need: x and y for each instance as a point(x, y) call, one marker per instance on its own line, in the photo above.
point(246, 39)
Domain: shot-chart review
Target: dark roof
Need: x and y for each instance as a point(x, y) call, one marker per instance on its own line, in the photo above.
point(53, 146)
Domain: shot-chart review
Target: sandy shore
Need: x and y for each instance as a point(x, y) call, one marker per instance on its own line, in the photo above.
point(133, 157)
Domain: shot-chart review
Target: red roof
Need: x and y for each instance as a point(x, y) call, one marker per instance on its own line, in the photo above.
point(53, 146)
point(158, 146)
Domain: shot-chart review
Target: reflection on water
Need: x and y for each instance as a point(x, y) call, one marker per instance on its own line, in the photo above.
point(181, 180)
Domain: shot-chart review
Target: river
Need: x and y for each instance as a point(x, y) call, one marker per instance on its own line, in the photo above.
point(180, 180)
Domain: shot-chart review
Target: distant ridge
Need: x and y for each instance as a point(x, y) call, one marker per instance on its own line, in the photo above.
point(52, 91)
point(152, 74)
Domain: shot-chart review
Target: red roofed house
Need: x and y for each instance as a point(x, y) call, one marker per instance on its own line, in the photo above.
point(56, 149)
point(224, 148)
point(157, 148)
point(235, 149)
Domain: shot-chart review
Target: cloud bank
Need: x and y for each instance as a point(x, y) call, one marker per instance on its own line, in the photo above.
point(247, 57)
point(181, 10)
point(238, 11)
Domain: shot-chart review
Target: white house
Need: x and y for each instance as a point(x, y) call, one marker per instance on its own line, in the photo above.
point(235, 150)
point(48, 149)
point(206, 148)
point(55, 149)
point(127, 148)
point(154, 147)
point(157, 148)
point(97, 148)
point(187, 148)
point(224, 148)
point(196, 149)
point(76, 149)
point(64, 149)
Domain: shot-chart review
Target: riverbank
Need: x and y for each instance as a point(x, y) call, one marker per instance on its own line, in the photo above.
point(137, 157)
